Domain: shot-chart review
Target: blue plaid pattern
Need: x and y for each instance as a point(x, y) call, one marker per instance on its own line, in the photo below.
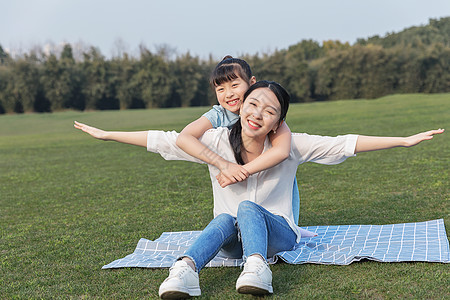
point(338, 245)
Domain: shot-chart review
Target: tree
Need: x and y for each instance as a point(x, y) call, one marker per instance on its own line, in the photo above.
point(23, 86)
point(152, 79)
point(5, 94)
point(60, 80)
point(376, 72)
point(4, 57)
point(127, 90)
point(185, 75)
point(335, 45)
point(296, 76)
point(434, 69)
point(436, 31)
point(306, 50)
point(99, 82)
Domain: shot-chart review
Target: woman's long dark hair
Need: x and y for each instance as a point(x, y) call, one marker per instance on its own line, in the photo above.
point(236, 132)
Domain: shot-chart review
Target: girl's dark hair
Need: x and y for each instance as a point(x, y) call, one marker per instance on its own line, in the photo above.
point(229, 69)
point(283, 97)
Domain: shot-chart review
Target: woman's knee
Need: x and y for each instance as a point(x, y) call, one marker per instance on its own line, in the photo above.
point(247, 206)
point(224, 223)
point(224, 219)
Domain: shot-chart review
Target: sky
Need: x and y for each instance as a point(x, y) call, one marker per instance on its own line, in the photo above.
point(204, 27)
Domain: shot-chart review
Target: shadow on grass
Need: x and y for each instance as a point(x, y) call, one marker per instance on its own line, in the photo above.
point(220, 283)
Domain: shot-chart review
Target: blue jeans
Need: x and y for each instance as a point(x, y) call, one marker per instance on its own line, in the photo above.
point(254, 231)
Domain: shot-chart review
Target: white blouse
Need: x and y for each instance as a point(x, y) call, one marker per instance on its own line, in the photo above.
point(271, 188)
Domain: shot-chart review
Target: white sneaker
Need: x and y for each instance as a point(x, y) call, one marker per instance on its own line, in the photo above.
point(256, 278)
point(181, 283)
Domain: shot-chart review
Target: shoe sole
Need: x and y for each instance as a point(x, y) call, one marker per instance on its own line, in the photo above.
point(254, 289)
point(179, 294)
point(174, 295)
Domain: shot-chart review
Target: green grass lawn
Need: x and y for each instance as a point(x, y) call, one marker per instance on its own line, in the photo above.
point(70, 204)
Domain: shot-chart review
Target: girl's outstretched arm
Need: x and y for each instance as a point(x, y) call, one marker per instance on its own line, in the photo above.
point(137, 138)
point(188, 141)
point(372, 143)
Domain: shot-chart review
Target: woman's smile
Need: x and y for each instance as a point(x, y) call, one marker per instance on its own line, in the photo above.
point(253, 125)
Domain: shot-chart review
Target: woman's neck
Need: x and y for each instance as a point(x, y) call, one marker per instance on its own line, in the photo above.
point(251, 148)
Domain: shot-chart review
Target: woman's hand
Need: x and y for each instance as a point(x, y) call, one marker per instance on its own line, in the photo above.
point(95, 132)
point(420, 137)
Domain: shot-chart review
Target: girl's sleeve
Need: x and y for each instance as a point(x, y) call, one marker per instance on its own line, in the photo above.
point(213, 115)
point(164, 143)
point(323, 149)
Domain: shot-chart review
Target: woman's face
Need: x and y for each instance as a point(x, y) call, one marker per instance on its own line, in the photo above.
point(260, 113)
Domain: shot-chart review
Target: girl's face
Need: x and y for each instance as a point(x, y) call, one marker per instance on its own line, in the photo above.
point(260, 113)
point(230, 94)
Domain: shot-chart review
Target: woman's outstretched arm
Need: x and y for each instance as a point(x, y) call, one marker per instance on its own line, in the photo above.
point(372, 143)
point(138, 138)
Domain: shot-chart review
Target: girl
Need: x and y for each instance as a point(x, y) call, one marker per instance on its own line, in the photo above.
point(253, 218)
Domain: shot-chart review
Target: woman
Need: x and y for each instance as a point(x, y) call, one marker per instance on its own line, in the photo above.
point(253, 218)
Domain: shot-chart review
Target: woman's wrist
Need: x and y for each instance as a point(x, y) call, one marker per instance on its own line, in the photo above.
point(404, 142)
point(106, 135)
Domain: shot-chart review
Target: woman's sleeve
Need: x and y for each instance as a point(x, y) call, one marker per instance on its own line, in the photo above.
point(164, 143)
point(323, 149)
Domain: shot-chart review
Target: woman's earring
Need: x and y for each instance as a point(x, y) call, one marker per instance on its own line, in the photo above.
point(274, 131)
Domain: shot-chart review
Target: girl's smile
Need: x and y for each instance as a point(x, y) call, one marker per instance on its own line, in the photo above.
point(234, 102)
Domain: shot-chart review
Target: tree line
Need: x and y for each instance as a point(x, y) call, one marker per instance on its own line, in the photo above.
point(416, 60)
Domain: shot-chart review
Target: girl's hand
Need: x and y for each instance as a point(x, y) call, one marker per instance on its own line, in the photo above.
point(223, 180)
point(420, 137)
point(95, 132)
point(232, 173)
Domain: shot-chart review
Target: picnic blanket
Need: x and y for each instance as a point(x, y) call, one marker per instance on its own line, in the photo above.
point(338, 244)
